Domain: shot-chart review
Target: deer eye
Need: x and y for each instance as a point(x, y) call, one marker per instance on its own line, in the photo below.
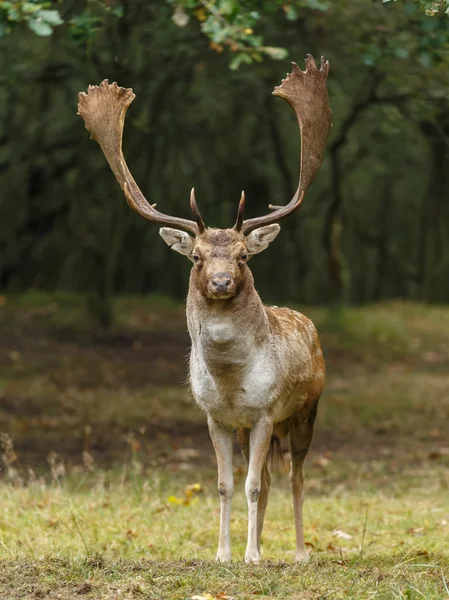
point(196, 258)
point(244, 256)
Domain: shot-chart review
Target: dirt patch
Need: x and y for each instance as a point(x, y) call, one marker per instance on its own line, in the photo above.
point(122, 395)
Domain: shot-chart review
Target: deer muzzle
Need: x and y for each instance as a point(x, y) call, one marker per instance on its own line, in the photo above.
point(221, 285)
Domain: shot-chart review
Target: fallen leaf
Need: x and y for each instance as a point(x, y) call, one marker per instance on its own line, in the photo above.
point(415, 530)
point(175, 500)
point(53, 522)
point(192, 489)
point(331, 546)
point(342, 534)
point(435, 454)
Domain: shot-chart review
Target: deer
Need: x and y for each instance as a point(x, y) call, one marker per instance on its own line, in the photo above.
point(253, 368)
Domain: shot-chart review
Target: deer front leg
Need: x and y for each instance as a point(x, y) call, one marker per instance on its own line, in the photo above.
point(259, 443)
point(222, 440)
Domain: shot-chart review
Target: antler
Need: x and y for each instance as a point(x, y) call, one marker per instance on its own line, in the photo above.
point(103, 109)
point(306, 92)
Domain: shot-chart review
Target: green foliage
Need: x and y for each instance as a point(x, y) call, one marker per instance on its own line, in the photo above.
point(376, 222)
point(40, 17)
point(228, 23)
point(430, 7)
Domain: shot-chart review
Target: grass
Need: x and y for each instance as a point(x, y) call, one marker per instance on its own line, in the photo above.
point(108, 487)
point(144, 535)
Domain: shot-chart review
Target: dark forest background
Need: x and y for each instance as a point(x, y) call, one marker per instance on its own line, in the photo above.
point(374, 225)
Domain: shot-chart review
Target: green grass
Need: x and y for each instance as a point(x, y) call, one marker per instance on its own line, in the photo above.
point(95, 497)
point(144, 533)
point(99, 534)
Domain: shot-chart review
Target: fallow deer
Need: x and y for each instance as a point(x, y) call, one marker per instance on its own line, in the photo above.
point(258, 369)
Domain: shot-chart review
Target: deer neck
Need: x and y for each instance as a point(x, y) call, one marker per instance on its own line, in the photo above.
point(225, 332)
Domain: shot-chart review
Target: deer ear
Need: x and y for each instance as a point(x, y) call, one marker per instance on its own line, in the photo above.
point(259, 239)
point(178, 240)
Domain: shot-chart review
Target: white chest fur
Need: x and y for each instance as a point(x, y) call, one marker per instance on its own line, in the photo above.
point(232, 374)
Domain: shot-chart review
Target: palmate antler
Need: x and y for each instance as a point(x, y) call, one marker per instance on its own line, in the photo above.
point(104, 107)
point(306, 92)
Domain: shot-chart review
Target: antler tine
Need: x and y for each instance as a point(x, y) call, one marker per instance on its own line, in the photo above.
point(306, 92)
point(103, 109)
point(240, 212)
point(196, 212)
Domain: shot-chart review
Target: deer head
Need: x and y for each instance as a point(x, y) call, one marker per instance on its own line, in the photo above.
point(219, 256)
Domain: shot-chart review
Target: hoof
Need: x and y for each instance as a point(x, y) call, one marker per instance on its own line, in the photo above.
point(223, 557)
point(301, 558)
point(252, 558)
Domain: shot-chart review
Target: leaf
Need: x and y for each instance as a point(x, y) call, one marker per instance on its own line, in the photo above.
point(425, 58)
point(240, 59)
point(40, 27)
point(290, 12)
point(52, 17)
point(195, 488)
point(276, 53)
point(216, 47)
point(318, 5)
point(175, 500)
point(342, 534)
point(180, 17)
point(200, 14)
point(415, 530)
point(402, 52)
point(439, 453)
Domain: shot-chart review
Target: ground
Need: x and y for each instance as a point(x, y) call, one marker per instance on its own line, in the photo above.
point(108, 483)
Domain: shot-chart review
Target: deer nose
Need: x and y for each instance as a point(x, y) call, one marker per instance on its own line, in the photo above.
point(221, 282)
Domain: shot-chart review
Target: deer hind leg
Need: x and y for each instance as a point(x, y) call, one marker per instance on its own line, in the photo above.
point(243, 438)
point(263, 500)
point(222, 439)
point(259, 444)
point(301, 431)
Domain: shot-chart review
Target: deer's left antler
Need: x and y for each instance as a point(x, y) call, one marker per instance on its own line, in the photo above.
point(306, 92)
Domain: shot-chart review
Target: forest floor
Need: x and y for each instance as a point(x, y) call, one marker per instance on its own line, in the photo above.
point(108, 483)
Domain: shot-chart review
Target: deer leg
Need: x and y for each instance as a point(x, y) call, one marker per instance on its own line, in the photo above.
point(243, 438)
point(263, 501)
point(222, 440)
point(259, 444)
point(300, 437)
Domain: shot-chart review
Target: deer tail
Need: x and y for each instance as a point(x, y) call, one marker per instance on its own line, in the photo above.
point(275, 457)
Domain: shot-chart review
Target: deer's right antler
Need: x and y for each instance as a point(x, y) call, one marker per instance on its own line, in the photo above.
point(306, 92)
point(103, 109)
